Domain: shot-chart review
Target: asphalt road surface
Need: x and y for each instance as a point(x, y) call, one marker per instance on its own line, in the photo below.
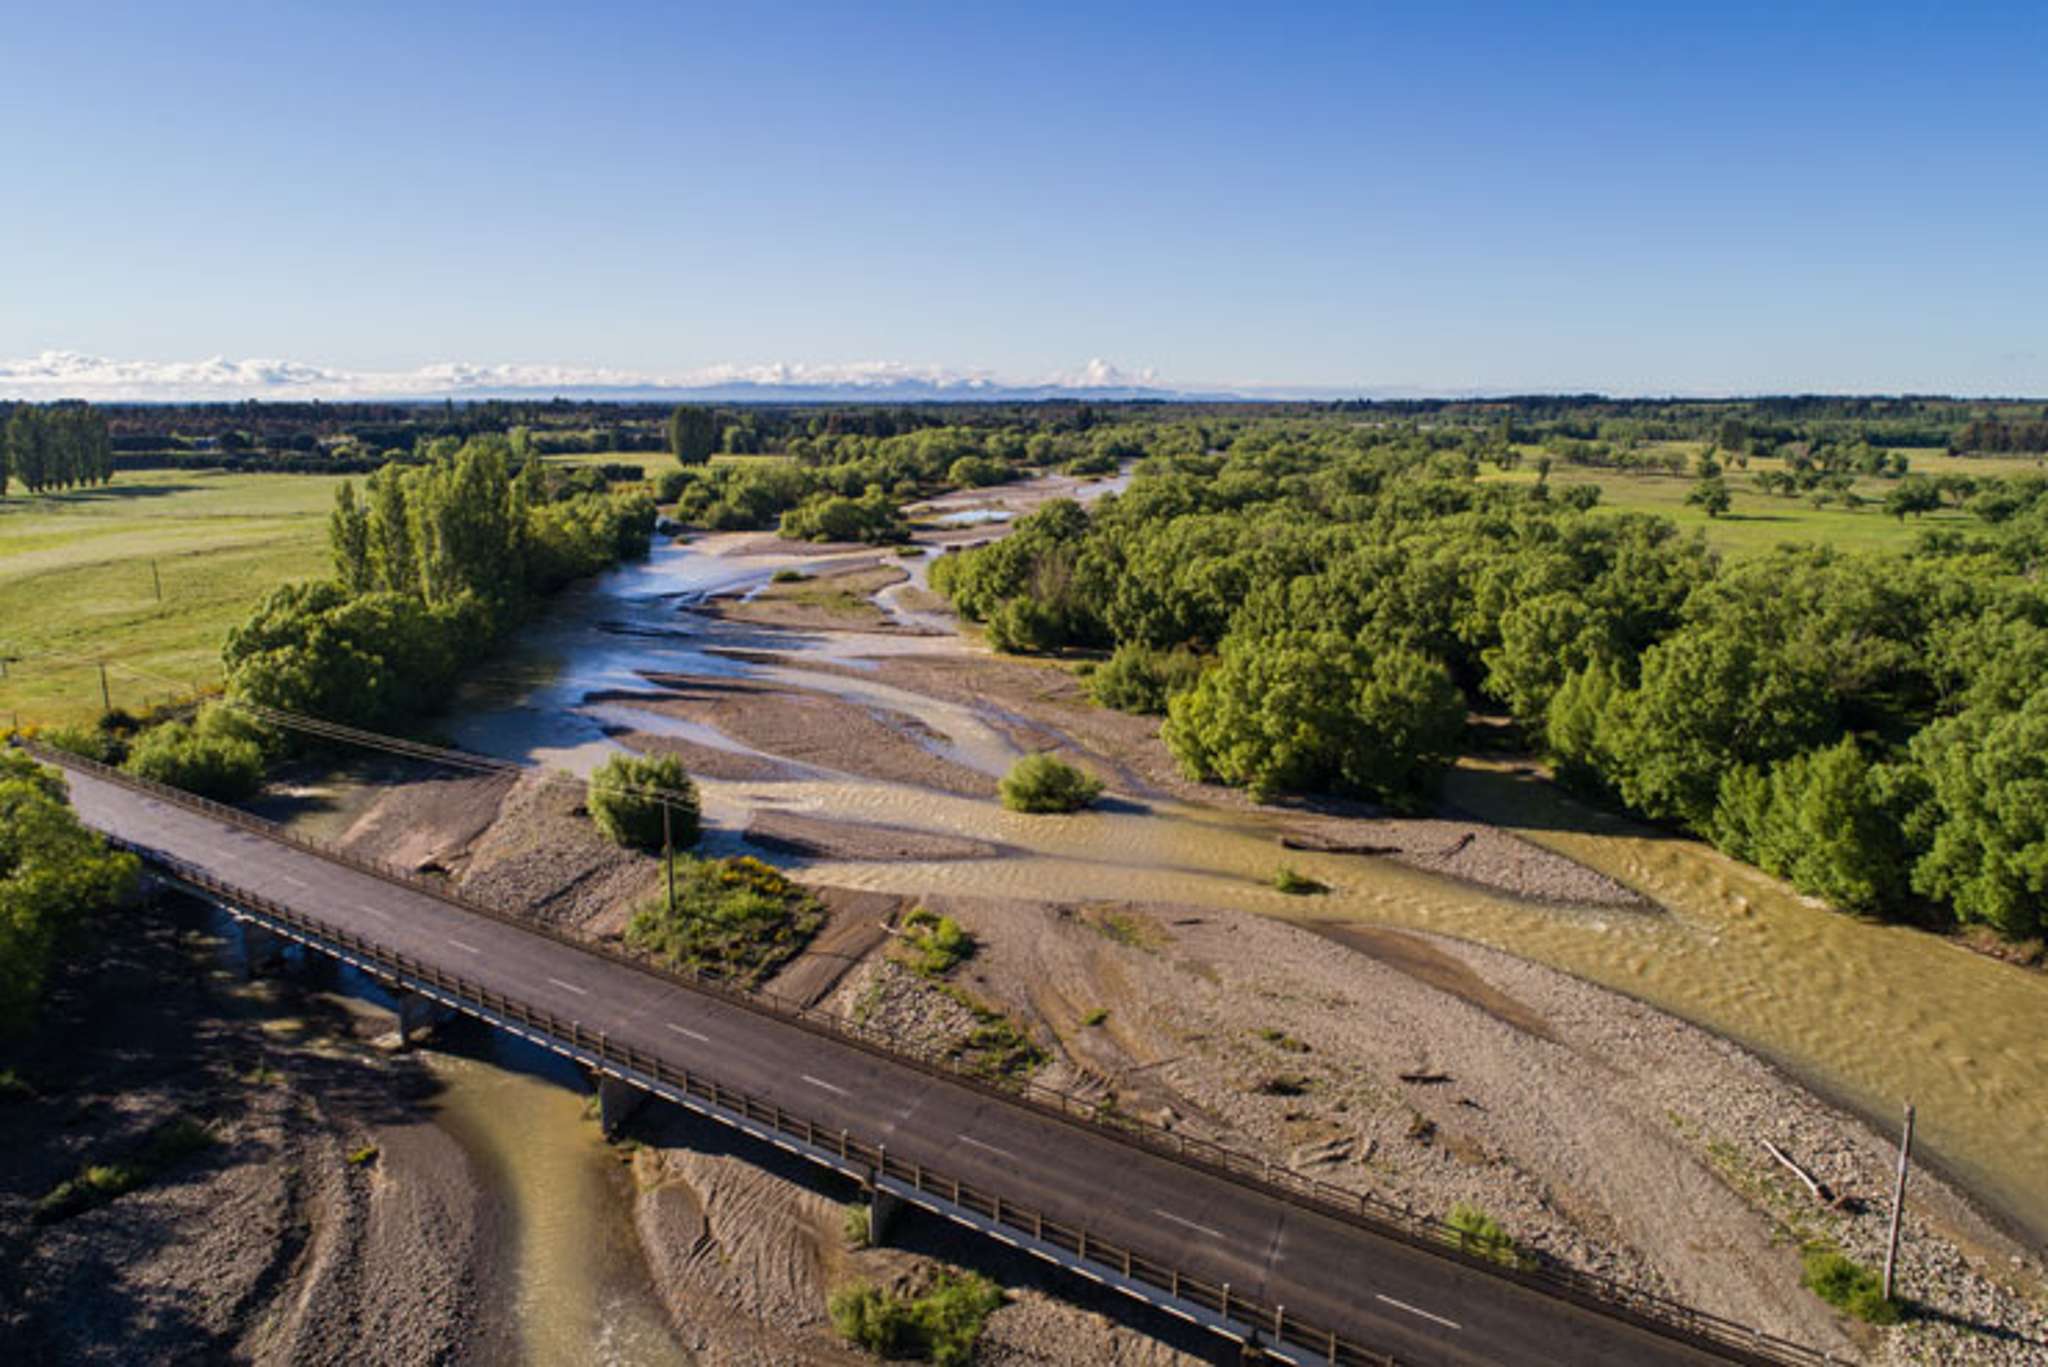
point(1410, 1304)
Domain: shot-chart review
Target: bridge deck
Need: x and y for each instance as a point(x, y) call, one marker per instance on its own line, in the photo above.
point(1407, 1302)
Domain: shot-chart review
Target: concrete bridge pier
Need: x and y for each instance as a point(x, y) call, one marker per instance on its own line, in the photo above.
point(262, 950)
point(883, 1208)
point(616, 1102)
point(417, 1013)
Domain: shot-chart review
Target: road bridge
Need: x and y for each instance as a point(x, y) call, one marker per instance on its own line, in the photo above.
point(1296, 1270)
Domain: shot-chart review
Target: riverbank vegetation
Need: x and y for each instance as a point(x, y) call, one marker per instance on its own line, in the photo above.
point(645, 802)
point(940, 1326)
point(738, 919)
point(1867, 724)
point(54, 876)
point(1040, 783)
point(432, 566)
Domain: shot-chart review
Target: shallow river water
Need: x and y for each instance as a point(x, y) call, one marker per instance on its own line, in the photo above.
point(1873, 1015)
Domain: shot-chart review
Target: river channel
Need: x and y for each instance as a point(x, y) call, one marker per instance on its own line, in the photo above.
point(1871, 1015)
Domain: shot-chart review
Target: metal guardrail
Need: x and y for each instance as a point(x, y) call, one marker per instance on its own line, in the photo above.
point(1644, 1309)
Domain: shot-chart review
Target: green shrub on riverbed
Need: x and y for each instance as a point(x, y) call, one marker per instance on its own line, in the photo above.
point(936, 943)
point(1474, 1231)
point(733, 918)
point(1040, 783)
point(940, 1326)
point(1847, 1285)
point(626, 797)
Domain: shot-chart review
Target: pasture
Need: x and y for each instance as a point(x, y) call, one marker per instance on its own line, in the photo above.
point(79, 574)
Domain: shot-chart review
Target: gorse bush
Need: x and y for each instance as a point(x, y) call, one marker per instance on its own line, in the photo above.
point(627, 794)
point(736, 918)
point(1041, 783)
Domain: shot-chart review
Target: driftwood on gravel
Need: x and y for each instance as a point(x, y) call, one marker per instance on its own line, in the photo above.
point(1426, 1079)
point(1316, 844)
point(1819, 1189)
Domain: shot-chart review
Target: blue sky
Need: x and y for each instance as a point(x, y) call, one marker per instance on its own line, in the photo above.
point(1443, 196)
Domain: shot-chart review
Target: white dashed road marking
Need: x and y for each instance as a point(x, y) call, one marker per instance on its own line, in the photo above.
point(466, 949)
point(1199, 1229)
point(970, 1139)
point(686, 1030)
point(819, 1082)
point(572, 987)
point(1418, 1310)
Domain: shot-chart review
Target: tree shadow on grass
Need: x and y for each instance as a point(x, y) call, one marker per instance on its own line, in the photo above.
point(117, 492)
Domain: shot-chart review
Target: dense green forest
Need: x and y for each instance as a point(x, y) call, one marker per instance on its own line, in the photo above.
point(1314, 606)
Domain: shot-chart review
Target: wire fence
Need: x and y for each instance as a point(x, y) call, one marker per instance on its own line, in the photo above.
point(1359, 1209)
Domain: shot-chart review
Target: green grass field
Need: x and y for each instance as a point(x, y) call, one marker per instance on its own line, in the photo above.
point(75, 580)
point(1757, 522)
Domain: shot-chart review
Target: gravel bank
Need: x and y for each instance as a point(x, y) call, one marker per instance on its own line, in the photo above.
point(268, 1245)
point(1602, 1133)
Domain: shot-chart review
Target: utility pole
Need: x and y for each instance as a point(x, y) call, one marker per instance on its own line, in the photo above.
point(106, 698)
point(1891, 1253)
point(153, 574)
point(668, 857)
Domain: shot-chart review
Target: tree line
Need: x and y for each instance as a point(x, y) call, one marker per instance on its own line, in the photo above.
point(1315, 607)
point(64, 446)
point(433, 564)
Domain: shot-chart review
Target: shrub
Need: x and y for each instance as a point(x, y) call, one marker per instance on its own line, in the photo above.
point(1139, 679)
point(668, 485)
point(867, 1318)
point(87, 742)
point(1296, 884)
point(1477, 1232)
point(1025, 626)
point(858, 1226)
point(1040, 783)
point(623, 801)
point(1096, 1016)
point(94, 1186)
point(788, 577)
point(940, 1326)
point(936, 943)
point(1847, 1285)
point(216, 756)
point(738, 918)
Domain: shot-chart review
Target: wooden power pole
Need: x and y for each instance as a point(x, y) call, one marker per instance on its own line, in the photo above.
point(1891, 1252)
point(668, 857)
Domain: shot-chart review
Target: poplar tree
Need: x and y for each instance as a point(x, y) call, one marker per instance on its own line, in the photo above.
point(692, 434)
point(349, 534)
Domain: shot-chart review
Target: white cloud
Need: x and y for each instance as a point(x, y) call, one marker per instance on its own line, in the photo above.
point(73, 375)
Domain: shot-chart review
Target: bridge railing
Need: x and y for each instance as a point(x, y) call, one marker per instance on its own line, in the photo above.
point(1644, 1308)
